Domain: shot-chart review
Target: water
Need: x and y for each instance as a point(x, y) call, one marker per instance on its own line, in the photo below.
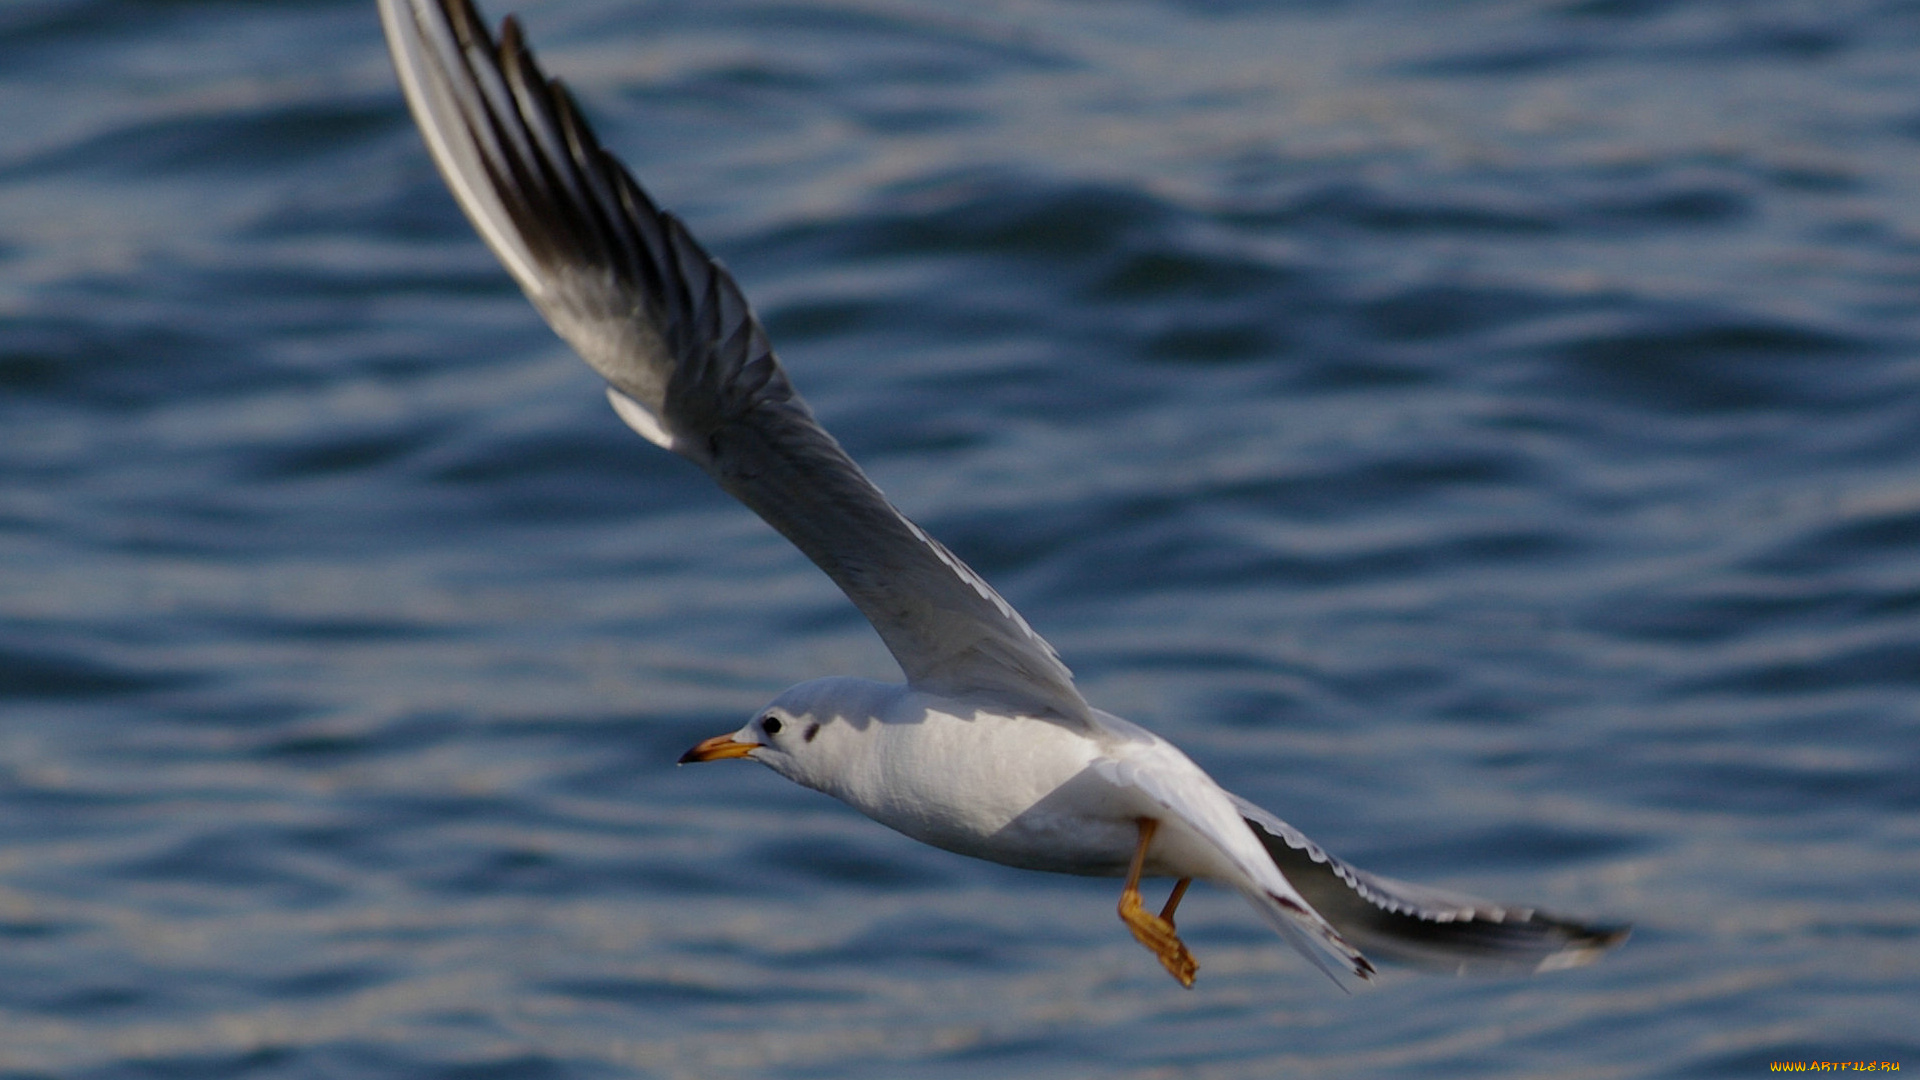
point(1487, 434)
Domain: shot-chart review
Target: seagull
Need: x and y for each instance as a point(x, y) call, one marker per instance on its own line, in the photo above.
point(987, 749)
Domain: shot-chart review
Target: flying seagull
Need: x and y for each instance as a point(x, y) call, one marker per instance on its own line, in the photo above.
point(987, 749)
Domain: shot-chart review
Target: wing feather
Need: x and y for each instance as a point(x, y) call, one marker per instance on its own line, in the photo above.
point(689, 365)
point(1421, 926)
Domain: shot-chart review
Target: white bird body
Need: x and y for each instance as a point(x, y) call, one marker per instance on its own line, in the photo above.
point(1010, 789)
point(968, 780)
point(988, 749)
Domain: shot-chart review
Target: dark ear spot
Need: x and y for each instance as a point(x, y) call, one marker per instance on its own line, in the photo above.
point(812, 730)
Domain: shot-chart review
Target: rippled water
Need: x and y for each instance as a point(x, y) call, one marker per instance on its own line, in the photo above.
point(1487, 434)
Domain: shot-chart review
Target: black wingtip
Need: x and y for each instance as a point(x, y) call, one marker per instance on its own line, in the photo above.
point(468, 26)
point(1608, 937)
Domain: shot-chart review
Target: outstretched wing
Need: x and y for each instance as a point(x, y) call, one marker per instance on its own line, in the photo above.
point(689, 366)
point(1424, 927)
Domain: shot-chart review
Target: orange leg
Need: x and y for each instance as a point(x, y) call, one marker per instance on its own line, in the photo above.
point(1179, 890)
point(1156, 931)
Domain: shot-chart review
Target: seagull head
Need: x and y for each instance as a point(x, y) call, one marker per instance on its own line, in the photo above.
point(806, 731)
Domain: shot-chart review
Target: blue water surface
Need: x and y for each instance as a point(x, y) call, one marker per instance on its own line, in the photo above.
point(1486, 433)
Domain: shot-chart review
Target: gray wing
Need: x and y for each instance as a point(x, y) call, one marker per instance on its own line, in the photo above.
point(1424, 927)
point(689, 366)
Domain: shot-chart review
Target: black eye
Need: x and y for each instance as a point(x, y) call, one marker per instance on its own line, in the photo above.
point(771, 725)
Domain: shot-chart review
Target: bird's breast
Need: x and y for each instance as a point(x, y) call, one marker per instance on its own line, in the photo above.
point(1010, 790)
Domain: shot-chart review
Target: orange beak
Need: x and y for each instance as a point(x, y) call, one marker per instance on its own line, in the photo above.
point(720, 746)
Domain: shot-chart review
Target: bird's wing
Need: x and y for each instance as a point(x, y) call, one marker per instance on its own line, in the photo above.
point(691, 369)
point(1162, 773)
point(1424, 927)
